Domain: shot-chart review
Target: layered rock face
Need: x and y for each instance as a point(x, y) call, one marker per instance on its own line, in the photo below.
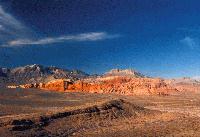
point(125, 86)
point(118, 85)
point(121, 85)
point(54, 85)
point(125, 82)
point(57, 85)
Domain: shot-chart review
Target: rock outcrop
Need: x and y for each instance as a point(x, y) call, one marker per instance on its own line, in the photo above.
point(185, 84)
point(36, 74)
point(125, 86)
point(57, 85)
point(125, 82)
point(108, 110)
point(123, 72)
point(117, 85)
point(3, 72)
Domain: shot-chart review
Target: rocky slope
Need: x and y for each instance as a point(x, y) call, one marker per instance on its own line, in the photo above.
point(36, 74)
point(124, 72)
point(185, 84)
point(117, 85)
point(70, 122)
point(125, 82)
point(125, 86)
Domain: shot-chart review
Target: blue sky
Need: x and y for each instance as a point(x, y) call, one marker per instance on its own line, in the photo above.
point(156, 37)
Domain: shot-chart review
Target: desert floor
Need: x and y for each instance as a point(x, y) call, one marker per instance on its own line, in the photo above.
point(30, 112)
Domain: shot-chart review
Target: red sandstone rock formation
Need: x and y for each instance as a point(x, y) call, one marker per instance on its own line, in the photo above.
point(57, 85)
point(117, 85)
point(27, 86)
point(125, 86)
point(120, 85)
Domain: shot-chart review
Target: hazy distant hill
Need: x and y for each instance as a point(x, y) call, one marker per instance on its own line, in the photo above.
point(37, 73)
point(123, 72)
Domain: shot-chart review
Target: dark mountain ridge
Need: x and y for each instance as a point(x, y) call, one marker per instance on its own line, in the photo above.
point(37, 73)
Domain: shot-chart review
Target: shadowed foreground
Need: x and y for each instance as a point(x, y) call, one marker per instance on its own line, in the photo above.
point(41, 113)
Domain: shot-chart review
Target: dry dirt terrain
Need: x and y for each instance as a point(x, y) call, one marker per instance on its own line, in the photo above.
point(32, 112)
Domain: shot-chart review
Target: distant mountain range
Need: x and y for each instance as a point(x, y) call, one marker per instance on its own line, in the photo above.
point(124, 72)
point(41, 74)
point(37, 73)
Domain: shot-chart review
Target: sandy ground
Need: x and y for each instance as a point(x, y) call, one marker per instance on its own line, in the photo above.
point(175, 115)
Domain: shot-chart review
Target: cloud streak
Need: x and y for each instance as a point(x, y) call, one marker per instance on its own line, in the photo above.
point(190, 42)
point(92, 36)
point(11, 28)
point(14, 34)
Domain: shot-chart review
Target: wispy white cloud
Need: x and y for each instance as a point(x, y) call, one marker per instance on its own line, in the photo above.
point(92, 36)
point(11, 28)
point(7, 19)
point(14, 34)
point(190, 42)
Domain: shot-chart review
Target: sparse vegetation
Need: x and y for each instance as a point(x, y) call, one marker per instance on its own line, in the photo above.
point(31, 112)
